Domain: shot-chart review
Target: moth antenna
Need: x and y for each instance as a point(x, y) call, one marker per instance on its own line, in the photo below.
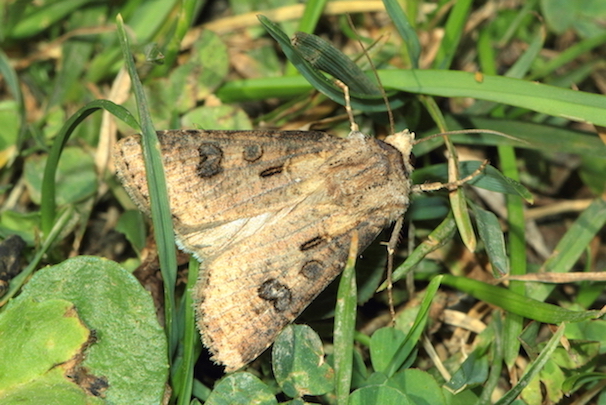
point(353, 126)
point(470, 131)
point(392, 124)
point(452, 185)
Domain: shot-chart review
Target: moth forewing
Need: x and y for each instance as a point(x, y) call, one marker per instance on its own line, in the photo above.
point(251, 291)
point(271, 215)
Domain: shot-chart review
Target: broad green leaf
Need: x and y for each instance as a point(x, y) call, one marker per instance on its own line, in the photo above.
point(379, 394)
point(203, 72)
point(130, 350)
point(420, 386)
point(75, 179)
point(25, 225)
point(35, 337)
point(217, 117)
point(298, 363)
point(384, 343)
point(241, 389)
point(474, 370)
point(132, 225)
point(51, 388)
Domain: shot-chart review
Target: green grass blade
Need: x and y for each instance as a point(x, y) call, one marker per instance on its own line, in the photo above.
point(486, 53)
point(544, 138)
point(311, 15)
point(515, 213)
point(363, 102)
point(345, 326)
point(516, 303)
point(534, 369)
point(414, 334)
point(457, 199)
point(525, 62)
point(323, 55)
point(551, 100)
point(43, 17)
point(160, 209)
point(453, 32)
point(191, 343)
point(517, 250)
point(569, 55)
point(577, 238)
point(185, 16)
point(406, 31)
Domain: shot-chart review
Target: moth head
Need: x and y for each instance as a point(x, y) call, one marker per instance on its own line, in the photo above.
point(403, 141)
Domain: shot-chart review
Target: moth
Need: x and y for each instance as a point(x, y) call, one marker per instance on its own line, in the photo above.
point(269, 214)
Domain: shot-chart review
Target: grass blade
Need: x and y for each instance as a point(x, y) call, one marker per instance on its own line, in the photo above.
point(160, 209)
point(345, 325)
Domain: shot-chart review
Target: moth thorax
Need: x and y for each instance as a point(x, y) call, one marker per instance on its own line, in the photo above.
point(357, 135)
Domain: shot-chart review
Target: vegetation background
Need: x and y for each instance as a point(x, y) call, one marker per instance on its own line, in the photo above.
point(77, 327)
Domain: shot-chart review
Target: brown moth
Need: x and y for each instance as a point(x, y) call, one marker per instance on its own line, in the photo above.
point(270, 215)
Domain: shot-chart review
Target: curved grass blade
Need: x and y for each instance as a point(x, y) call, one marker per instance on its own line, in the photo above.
point(48, 205)
point(323, 55)
point(363, 102)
